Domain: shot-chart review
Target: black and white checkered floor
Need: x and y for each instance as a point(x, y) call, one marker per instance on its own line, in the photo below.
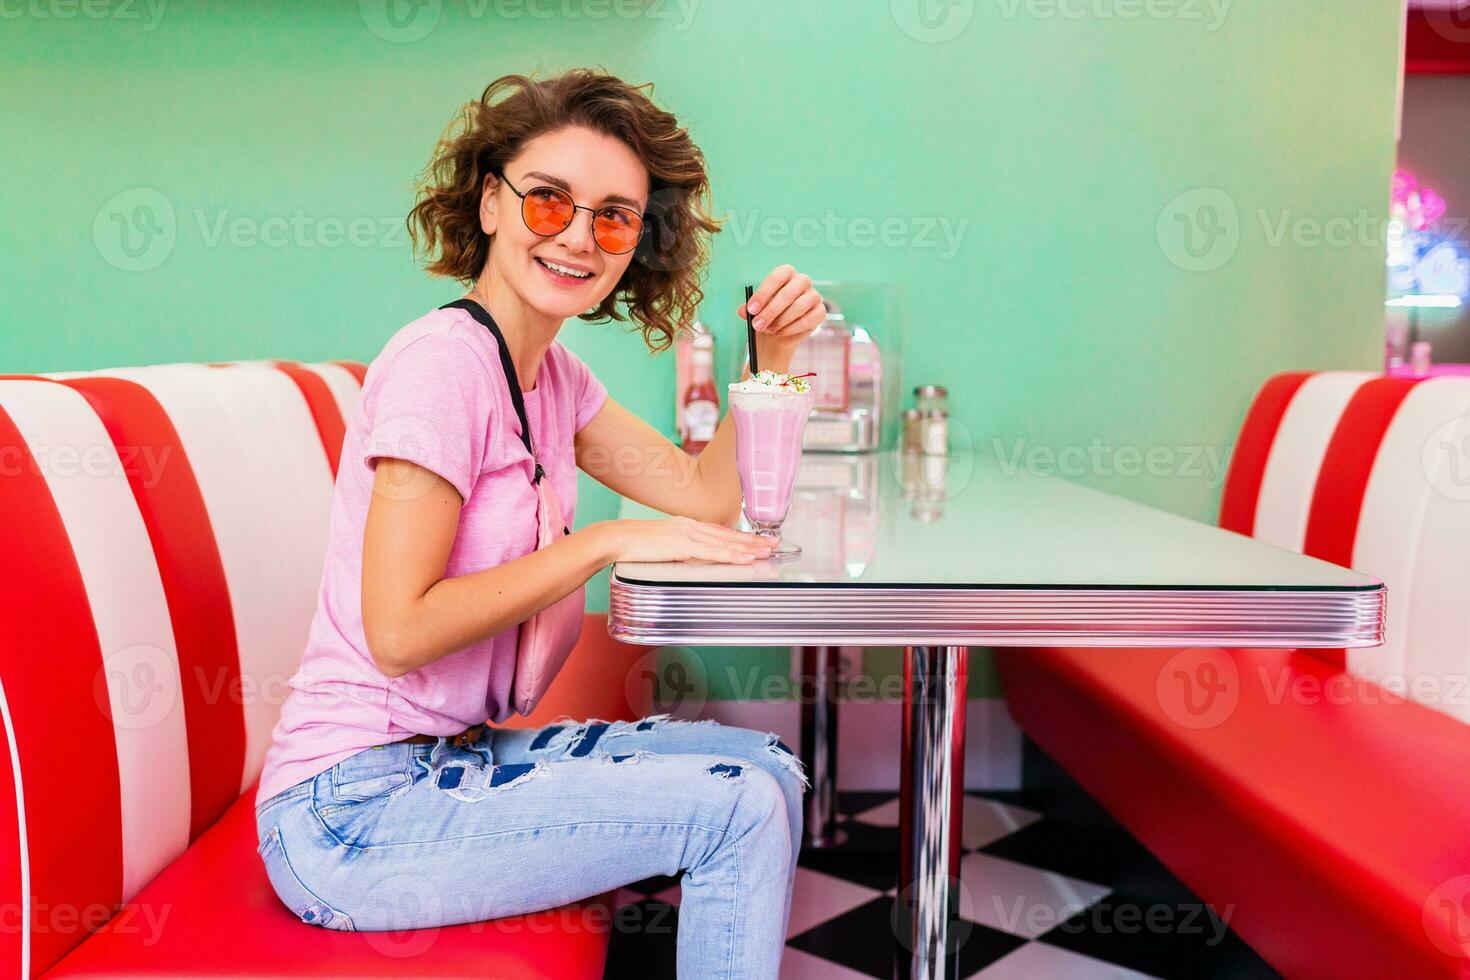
point(1060, 893)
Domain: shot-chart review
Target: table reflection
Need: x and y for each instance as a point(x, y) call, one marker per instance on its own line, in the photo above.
point(962, 521)
point(834, 513)
point(837, 507)
point(924, 480)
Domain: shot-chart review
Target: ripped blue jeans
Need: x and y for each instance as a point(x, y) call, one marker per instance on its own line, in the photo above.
point(405, 836)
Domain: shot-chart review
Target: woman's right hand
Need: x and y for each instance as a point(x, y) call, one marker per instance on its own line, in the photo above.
point(683, 539)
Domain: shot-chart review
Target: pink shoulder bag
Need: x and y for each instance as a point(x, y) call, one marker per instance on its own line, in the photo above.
point(546, 639)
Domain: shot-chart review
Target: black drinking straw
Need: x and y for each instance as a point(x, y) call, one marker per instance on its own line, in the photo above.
point(750, 331)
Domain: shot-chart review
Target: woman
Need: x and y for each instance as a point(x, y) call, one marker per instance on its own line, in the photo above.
point(385, 803)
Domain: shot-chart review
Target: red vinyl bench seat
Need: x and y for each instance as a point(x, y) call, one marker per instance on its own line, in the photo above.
point(171, 525)
point(1322, 797)
point(1333, 823)
point(212, 913)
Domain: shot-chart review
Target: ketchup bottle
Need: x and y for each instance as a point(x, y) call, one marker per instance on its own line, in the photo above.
point(702, 400)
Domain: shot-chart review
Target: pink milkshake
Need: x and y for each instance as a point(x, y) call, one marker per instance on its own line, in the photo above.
point(770, 412)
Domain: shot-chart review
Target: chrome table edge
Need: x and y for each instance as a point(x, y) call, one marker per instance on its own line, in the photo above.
point(724, 615)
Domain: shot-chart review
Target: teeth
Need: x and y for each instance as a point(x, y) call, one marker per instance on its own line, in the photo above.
point(564, 270)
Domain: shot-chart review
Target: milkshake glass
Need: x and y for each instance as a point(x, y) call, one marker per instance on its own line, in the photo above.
point(770, 412)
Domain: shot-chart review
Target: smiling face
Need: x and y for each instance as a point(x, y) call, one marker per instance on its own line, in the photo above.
point(566, 274)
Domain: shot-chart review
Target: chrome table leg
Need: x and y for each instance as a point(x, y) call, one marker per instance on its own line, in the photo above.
point(819, 744)
point(931, 812)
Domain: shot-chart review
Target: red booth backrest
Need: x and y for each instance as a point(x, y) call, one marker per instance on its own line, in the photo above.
point(166, 529)
point(1373, 473)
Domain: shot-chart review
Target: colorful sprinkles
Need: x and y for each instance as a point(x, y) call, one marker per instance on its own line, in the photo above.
point(775, 379)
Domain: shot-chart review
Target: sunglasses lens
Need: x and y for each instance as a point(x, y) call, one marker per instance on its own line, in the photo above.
point(547, 210)
point(616, 230)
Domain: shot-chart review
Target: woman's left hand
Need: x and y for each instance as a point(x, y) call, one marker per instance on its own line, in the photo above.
point(786, 308)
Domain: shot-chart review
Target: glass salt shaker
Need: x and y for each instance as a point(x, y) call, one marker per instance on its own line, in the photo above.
point(934, 432)
point(913, 436)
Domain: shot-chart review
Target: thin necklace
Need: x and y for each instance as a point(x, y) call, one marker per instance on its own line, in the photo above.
point(484, 301)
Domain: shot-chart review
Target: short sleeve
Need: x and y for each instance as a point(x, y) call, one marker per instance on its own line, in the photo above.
point(588, 392)
point(433, 405)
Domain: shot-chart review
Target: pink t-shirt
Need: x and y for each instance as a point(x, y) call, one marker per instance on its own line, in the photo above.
point(435, 395)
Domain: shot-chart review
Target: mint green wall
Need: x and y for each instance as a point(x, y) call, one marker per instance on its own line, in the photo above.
point(1061, 311)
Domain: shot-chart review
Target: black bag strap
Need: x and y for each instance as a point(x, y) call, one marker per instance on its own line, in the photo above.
point(482, 315)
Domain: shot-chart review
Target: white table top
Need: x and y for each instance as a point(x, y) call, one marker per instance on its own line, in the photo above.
point(955, 549)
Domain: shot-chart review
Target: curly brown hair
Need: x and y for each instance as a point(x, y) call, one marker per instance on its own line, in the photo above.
point(660, 290)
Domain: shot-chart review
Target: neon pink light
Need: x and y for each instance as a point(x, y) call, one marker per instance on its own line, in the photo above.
point(1418, 207)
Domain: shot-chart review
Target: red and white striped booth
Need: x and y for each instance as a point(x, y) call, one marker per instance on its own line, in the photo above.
point(1322, 797)
point(165, 533)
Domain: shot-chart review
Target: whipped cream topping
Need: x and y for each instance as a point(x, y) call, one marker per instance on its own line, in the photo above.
point(774, 382)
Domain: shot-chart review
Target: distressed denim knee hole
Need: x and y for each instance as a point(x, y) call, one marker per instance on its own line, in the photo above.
point(728, 771)
point(587, 737)
point(649, 723)
point(628, 758)
point(654, 722)
point(789, 761)
point(471, 784)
